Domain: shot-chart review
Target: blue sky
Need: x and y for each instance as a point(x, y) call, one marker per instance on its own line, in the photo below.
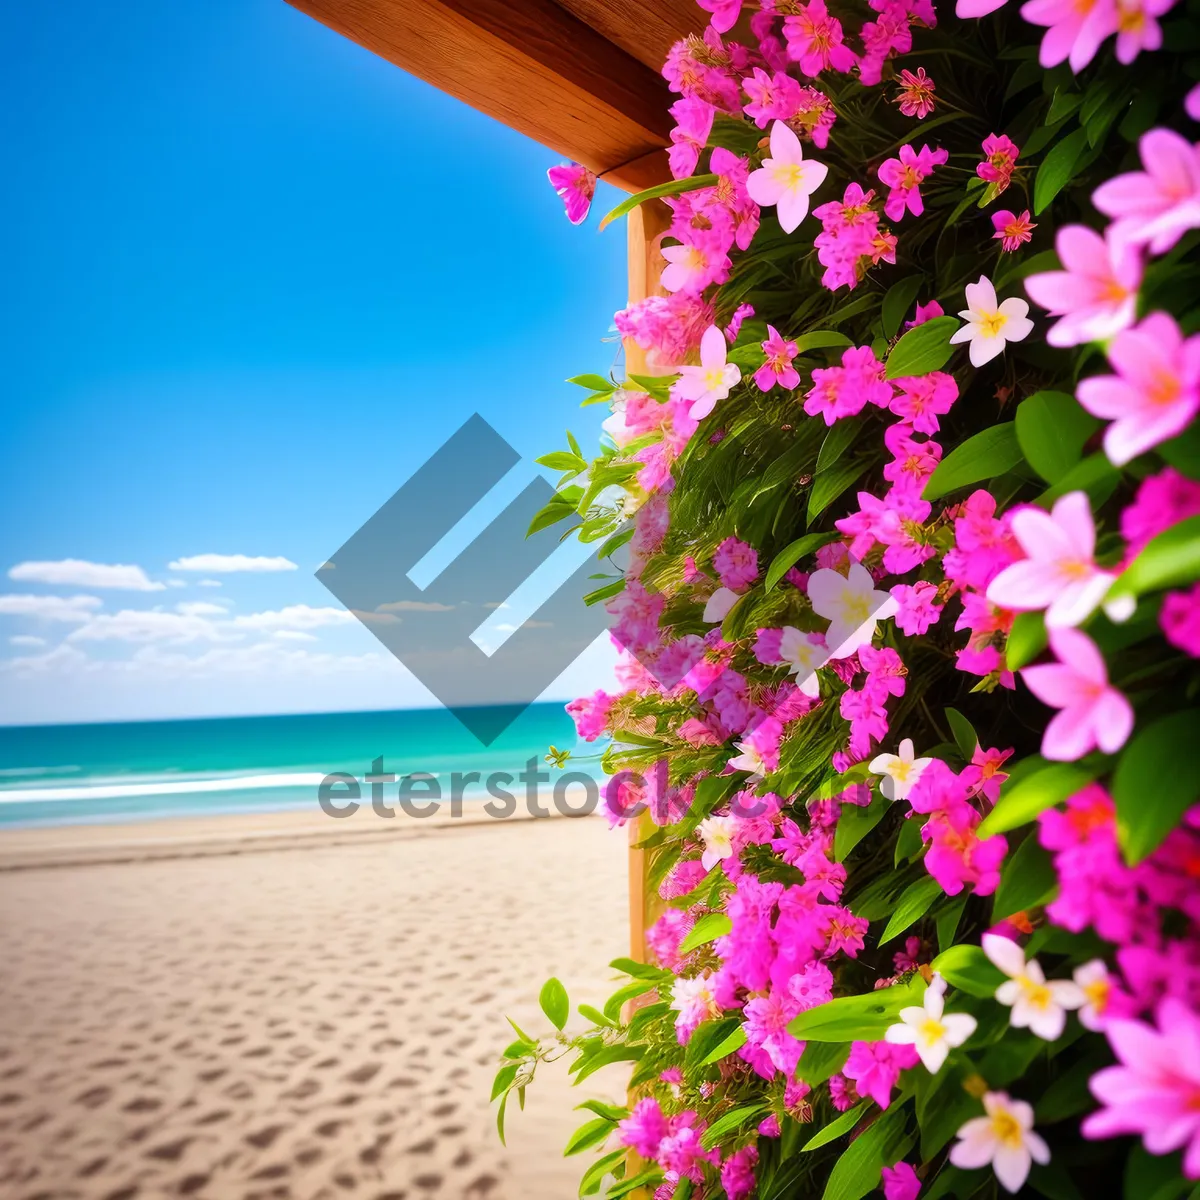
point(254, 276)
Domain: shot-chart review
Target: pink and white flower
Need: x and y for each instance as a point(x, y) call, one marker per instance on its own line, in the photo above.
point(712, 380)
point(991, 324)
point(1059, 571)
point(1038, 1005)
point(804, 653)
point(787, 179)
point(717, 835)
point(929, 1029)
point(900, 771)
point(1075, 29)
point(1004, 1138)
point(1093, 712)
point(851, 605)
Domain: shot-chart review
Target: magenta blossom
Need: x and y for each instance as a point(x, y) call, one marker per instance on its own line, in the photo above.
point(778, 368)
point(1095, 295)
point(774, 97)
point(1180, 620)
point(919, 608)
point(724, 13)
point(736, 563)
point(576, 186)
point(875, 1067)
point(1000, 159)
point(693, 123)
point(900, 1182)
point(966, 9)
point(1092, 712)
point(814, 40)
point(1155, 393)
point(1059, 572)
point(916, 93)
point(904, 176)
point(1137, 29)
point(1157, 205)
point(925, 312)
point(1075, 29)
point(1012, 230)
point(1155, 1089)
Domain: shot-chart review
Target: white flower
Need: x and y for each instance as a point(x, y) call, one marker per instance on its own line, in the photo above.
point(1037, 1005)
point(1004, 1138)
point(711, 380)
point(990, 324)
point(719, 604)
point(614, 425)
point(749, 760)
point(929, 1029)
point(803, 653)
point(717, 833)
point(693, 999)
point(900, 771)
point(851, 605)
point(1096, 986)
point(786, 179)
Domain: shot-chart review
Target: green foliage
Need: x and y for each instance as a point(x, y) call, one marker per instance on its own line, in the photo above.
point(923, 349)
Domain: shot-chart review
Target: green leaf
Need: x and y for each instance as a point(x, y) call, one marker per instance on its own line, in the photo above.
point(647, 1179)
point(1057, 168)
point(593, 383)
point(897, 301)
point(860, 1168)
point(1154, 1176)
point(591, 1134)
point(837, 441)
point(1052, 1181)
point(674, 187)
point(965, 737)
point(1157, 779)
point(829, 485)
point(556, 509)
point(607, 592)
point(707, 929)
point(708, 1037)
point(857, 1018)
point(604, 1057)
point(1026, 640)
point(729, 1122)
point(821, 339)
point(836, 1127)
point(735, 1041)
point(500, 1118)
point(554, 1002)
point(589, 1185)
point(820, 1060)
point(503, 1080)
point(924, 349)
point(908, 841)
point(561, 460)
point(989, 453)
point(1052, 428)
point(1183, 452)
point(631, 991)
point(1038, 787)
point(614, 1112)
point(968, 969)
point(855, 823)
point(1171, 559)
point(792, 553)
point(588, 1013)
point(639, 970)
point(948, 919)
point(1026, 880)
point(913, 904)
point(1094, 475)
point(615, 542)
point(517, 1049)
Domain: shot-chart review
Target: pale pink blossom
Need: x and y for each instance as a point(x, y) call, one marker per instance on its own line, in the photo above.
point(990, 324)
point(1155, 393)
point(1095, 295)
point(1059, 571)
point(1137, 30)
point(1004, 1138)
point(1155, 1089)
point(1158, 204)
point(712, 380)
point(851, 605)
point(787, 179)
point(1038, 1005)
point(1093, 712)
point(1075, 29)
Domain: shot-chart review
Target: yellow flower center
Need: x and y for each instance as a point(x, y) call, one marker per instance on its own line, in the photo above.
point(900, 770)
point(788, 175)
point(932, 1030)
point(1006, 1129)
point(714, 379)
point(1036, 994)
point(1097, 994)
point(990, 324)
point(855, 609)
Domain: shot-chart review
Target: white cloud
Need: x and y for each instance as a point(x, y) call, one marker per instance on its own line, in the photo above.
point(50, 608)
point(26, 639)
point(177, 583)
point(294, 616)
point(201, 608)
point(202, 582)
point(63, 659)
point(293, 635)
point(414, 606)
point(223, 564)
point(77, 572)
point(140, 626)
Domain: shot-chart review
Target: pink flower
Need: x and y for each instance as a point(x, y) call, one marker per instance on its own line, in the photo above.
point(925, 312)
point(844, 391)
point(1013, 231)
point(923, 398)
point(914, 461)
point(1096, 293)
point(1093, 713)
point(692, 266)
point(875, 1067)
point(736, 564)
point(711, 381)
point(576, 186)
point(693, 124)
point(814, 40)
point(778, 368)
point(916, 94)
point(1191, 103)
point(737, 1171)
point(724, 13)
point(1000, 157)
point(644, 1129)
point(957, 855)
point(983, 775)
point(1075, 29)
point(741, 313)
point(1137, 30)
point(904, 176)
point(1059, 572)
point(1156, 205)
point(1155, 1091)
point(590, 714)
point(1180, 620)
point(1162, 500)
point(1155, 393)
point(900, 1182)
point(772, 97)
point(786, 179)
point(977, 8)
point(918, 607)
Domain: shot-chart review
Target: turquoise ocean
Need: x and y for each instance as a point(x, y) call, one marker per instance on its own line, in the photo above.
point(141, 770)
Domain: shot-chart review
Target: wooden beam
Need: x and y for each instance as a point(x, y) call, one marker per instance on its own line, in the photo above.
point(646, 29)
point(534, 66)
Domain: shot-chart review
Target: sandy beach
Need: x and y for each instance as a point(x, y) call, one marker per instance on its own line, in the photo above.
point(196, 1009)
